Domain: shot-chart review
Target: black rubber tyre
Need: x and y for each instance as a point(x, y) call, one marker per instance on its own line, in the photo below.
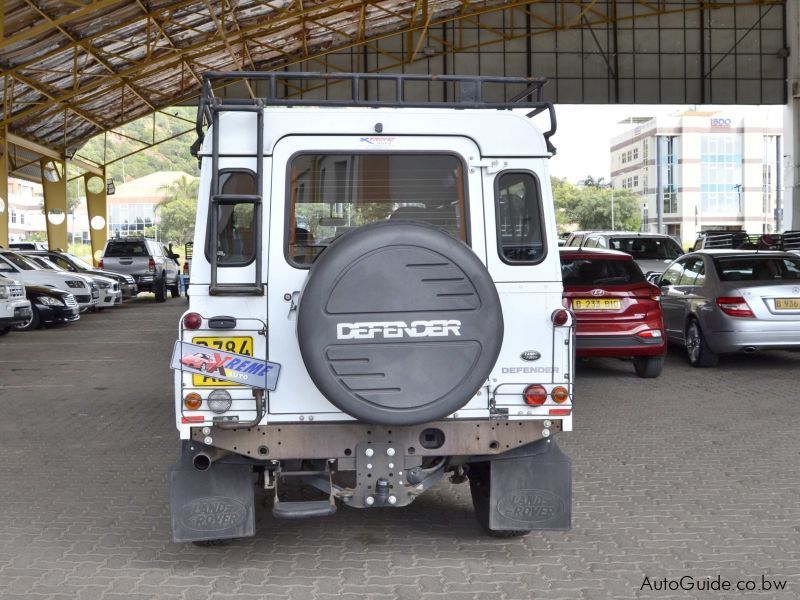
point(648, 367)
point(399, 323)
point(175, 290)
point(480, 487)
point(697, 350)
point(4, 331)
point(161, 290)
point(33, 323)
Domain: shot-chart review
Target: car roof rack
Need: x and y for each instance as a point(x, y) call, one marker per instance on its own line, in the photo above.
point(469, 94)
point(741, 240)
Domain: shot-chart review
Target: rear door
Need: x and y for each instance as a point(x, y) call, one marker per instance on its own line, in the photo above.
point(325, 186)
point(126, 256)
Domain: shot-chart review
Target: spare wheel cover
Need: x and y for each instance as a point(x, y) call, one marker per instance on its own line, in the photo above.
point(399, 323)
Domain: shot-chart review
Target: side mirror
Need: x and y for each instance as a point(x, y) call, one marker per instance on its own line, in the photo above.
point(664, 283)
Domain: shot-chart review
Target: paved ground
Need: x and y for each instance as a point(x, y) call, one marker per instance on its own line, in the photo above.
point(695, 474)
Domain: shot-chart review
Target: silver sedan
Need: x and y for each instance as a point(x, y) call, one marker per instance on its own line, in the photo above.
point(724, 301)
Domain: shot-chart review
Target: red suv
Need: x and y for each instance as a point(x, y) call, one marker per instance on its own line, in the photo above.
point(617, 312)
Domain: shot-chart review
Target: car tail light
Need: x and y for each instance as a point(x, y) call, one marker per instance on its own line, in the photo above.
point(560, 412)
point(651, 334)
point(100, 264)
point(560, 317)
point(192, 401)
point(650, 291)
point(192, 321)
point(735, 306)
point(185, 268)
point(151, 265)
point(535, 395)
point(560, 394)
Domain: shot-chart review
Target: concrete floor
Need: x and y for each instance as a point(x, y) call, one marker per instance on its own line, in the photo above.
point(693, 474)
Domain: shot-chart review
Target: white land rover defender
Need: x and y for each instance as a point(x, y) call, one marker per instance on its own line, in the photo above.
point(376, 302)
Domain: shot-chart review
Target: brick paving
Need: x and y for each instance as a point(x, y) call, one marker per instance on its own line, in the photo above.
point(696, 473)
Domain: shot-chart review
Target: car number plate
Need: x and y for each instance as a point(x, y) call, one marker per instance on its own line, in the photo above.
point(787, 304)
point(239, 345)
point(596, 304)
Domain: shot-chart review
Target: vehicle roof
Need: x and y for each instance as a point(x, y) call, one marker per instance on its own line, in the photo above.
point(722, 252)
point(631, 234)
point(496, 132)
point(595, 253)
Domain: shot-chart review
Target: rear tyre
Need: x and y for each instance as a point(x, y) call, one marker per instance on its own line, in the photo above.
point(161, 290)
point(175, 290)
point(648, 367)
point(4, 331)
point(30, 324)
point(697, 350)
point(480, 485)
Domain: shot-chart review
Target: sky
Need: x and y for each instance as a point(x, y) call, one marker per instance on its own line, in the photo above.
point(584, 131)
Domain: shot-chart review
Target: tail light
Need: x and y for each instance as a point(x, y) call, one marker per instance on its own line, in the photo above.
point(735, 306)
point(650, 291)
point(151, 265)
point(100, 264)
point(560, 394)
point(535, 395)
point(650, 334)
point(560, 317)
point(192, 401)
point(185, 268)
point(192, 321)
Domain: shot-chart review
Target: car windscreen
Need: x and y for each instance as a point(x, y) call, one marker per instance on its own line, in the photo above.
point(599, 271)
point(647, 248)
point(124, 248)
point(757, 268)
point(78, 262)
point(20, 261)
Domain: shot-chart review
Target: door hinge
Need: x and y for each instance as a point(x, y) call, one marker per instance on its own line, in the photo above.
point(491, 166)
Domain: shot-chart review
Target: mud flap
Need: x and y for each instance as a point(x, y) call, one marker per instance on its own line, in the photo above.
point(531, 488)
point(215, 504)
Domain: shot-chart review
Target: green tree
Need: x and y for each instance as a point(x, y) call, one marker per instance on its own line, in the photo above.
point(180, 189)
point(589, 206)
point(177, 220)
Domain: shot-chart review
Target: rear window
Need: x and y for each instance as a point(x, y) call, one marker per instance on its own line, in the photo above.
point(126, 248)
point(520, 234)
point(644, 248)
point(598, 271)
point(757, 268)
point(331, 194)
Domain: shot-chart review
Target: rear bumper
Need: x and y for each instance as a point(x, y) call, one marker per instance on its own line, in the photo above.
point(737, 341)
point(618, 346)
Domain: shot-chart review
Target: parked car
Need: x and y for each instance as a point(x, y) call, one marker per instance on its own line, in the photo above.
point(16, 266)
point(617, 311)
point(152, 265)
point(70, 262)
point(724, 301)
point(651, 251)
point(108, 288)
point(15, 308)
point(49, 306)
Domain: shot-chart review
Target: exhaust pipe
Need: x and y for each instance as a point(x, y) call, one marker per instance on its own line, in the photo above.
point(749, 349)
point(202, 460)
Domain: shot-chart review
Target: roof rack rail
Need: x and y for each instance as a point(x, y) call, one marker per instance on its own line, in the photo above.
point(470, 94)
point(741, 240)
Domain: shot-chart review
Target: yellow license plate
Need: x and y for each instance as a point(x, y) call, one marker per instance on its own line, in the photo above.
point(239, 345)
point(787, 303)
point(596, 304)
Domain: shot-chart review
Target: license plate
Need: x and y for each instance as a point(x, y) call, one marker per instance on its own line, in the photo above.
point(787, 304)
point(239, 345)
point(596, 304)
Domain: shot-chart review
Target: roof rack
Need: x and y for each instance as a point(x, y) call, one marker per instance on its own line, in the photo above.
point(470, 94)
point(741, 240)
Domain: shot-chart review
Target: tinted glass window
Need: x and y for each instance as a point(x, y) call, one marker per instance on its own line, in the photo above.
point(61, 262)
point(236, 224)
point(692, 272)
point(576, 241)
point(757, 268)
point(672, 275)
point(590, 243)
point(119, 248)
point(331, 194)
point(596, 271)
point(519, 223)
point(19, 261)
point(643, 248)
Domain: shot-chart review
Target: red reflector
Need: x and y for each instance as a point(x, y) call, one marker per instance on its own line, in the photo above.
point(560, 317)
point(650, 333)
point(193, 419)
point(535, 395)
point(151, 265)
point(100, 264)
point(560, 411)
point(185, 268)
point(735, 306)
point(192, 321)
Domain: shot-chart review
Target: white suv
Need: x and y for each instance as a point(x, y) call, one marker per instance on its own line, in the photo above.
point(15, 309)
point(399, 268)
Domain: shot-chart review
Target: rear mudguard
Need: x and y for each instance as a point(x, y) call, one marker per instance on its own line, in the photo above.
point(215, 504)
point(531, 488)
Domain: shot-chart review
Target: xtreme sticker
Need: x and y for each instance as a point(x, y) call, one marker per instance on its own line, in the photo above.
point(238, 368)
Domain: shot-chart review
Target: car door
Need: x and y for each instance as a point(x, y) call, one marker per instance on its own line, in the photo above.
point(671, 300)
point(688, 292)
point(171, 266)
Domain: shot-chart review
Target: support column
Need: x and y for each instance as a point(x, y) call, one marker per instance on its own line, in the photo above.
point(791, 123)
point(4, 209)
point(54, 186)
point(97, 208)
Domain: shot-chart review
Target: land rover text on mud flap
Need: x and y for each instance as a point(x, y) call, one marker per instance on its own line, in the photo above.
point(388, 271)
